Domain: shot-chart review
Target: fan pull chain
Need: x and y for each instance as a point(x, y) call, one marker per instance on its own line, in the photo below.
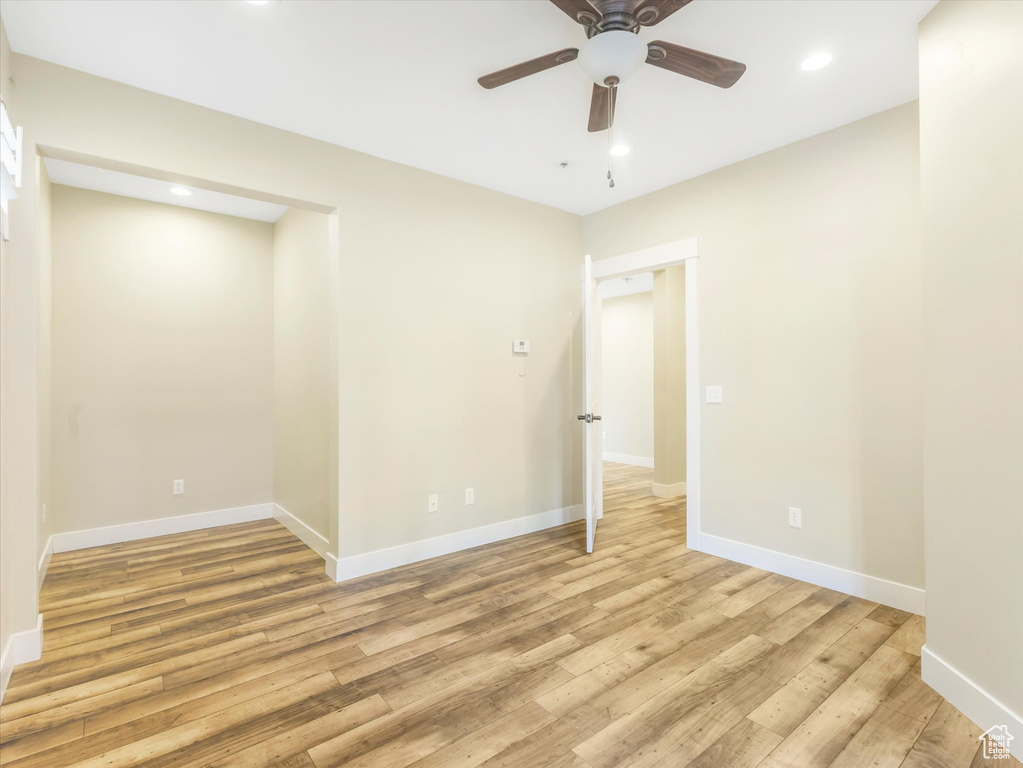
point(610, 125)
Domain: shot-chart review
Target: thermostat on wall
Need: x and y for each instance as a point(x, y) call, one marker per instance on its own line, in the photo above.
point(520, 345)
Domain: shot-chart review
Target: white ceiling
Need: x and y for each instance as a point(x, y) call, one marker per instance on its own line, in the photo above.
point(128, 185)
point(397, 79)
point(626, 286)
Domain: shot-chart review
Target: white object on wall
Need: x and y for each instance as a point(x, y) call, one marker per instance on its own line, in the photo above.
point(714, 394)
point(520, 346)
point(10, 166)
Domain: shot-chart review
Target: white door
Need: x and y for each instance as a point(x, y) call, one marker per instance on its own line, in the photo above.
point(593, 441)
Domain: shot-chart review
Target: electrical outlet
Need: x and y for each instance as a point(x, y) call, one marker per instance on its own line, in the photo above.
point(179, 487)
point(432, 503)
point(470, 496)
point(795, 517)
point(44, 513)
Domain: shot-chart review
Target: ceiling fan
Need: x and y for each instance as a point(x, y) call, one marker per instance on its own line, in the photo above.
point(613, 51)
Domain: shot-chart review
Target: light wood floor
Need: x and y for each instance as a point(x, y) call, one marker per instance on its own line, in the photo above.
point(230, 647)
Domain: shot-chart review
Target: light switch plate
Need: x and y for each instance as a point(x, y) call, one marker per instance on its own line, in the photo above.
point(520, 347)
point(714, 394)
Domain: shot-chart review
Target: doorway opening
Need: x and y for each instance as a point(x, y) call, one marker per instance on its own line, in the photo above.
point(190, 347)
point(641, 391)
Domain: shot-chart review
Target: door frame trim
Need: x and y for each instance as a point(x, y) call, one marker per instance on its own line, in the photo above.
point(660, 257)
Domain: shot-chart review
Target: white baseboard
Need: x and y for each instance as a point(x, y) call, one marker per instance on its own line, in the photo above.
point(309, 537)
point(624, 458)
point(901, 596)
point(21, 647)
point(330, 567)
point(669, 491)
point(970, 699)
point(371, 562)
point(114, 534)
point(44, 562)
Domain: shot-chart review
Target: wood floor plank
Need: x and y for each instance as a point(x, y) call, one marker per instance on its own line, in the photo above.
point(481, 745)
point(175, 738)
point(230, 648)
point(913, 697)
point(910, 636)
point(949, 740)
point(39, 741)
point(819, 739)
point(883, 741)
point(294, 743)
point(744, 746)
point(788, 659)
point(801, 695)
point(703, 725)
point(625, 735)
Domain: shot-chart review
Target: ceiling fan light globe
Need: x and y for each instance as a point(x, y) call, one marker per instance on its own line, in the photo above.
point(612, 54)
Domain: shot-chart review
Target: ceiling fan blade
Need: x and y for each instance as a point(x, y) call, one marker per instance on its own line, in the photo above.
point(598, 107)
point(580, 11)
point(696, 64)
point(652, 12)
point(526, 68)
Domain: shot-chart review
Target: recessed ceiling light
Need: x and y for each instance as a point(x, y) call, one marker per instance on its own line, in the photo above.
point(619, 149)
point(182, 191)
point(816, 61)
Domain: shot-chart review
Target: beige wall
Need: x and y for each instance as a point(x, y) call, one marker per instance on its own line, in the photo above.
point(669, 297)
point(627, 358)
point(810, 319)
point(19, 391)
point(162, 360)
point(7, 532)
point(435, 287)
point(302, 397)
point(971, 126)
point(431, 399)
